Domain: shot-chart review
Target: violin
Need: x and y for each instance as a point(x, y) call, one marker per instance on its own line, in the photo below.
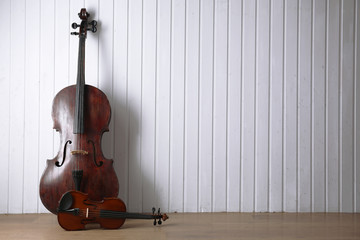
point(81, 114)
point(76, 210)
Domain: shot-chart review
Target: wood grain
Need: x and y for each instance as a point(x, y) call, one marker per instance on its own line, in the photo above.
point(195, 226)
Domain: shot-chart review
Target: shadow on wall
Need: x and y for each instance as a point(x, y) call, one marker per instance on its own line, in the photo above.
point(123, 142)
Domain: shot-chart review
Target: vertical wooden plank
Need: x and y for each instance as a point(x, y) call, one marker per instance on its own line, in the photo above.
point(318, 106)
point(304, 106)
point(5, 46)
point(134, 104)
point(92, 45)
point(47, 50)
point(191, 154)
point(234, 106)
point(262, 107)
point(220, 160)
point(62, 37)
point(357, 109)
point(17, 90)
point(163, 86)
point(347, 113)
point(276, 106)
point(148, 104)
point(248, 107)
point(119, 110)
point(290, 106)
point(177, 106)
point(74, 9)
point(106, 42)
point(206, 105)
point(31, 117)
point(332, 117)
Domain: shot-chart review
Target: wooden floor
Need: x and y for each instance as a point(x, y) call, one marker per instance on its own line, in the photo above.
point(195, 226)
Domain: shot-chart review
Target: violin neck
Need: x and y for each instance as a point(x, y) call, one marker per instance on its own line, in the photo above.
point(116, 214)
point(80, 89)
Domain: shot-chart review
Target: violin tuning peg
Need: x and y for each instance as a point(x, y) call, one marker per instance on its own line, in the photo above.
point(159, 214)
point(154, 222)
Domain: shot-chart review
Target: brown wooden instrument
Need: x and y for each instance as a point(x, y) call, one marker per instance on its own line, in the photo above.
point(76, 210)
point(81, 113)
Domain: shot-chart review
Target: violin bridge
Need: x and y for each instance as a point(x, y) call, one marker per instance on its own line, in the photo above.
point(87, 212)
point(82, 152)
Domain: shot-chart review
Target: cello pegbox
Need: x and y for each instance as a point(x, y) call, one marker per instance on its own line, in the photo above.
point(83, 14)
point(84, 26)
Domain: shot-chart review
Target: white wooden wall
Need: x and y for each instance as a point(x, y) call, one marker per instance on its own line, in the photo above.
point(223, 105)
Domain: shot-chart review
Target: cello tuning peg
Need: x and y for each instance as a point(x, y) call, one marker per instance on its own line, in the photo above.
point(93, 29)
point(74, 33)
point(93, 23)
point(75, 25)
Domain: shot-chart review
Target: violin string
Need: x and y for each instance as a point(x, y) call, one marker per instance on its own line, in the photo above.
point(115, 214)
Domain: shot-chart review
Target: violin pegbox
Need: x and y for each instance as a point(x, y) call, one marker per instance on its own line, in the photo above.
point(159, 216)
point(84, 25)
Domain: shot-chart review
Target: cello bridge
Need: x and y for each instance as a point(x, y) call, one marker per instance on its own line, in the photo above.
point(82, 152)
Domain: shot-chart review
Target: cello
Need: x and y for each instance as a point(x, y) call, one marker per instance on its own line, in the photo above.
point(81, 114)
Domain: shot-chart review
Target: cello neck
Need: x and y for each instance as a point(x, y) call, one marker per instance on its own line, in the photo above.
point(80, 89)
point(80, 82)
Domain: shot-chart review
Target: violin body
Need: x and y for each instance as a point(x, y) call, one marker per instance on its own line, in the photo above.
point(76, 210)
point(88, 211)
point(99, 179)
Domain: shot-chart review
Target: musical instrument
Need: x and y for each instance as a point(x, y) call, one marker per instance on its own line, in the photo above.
point(76, 210)
point(81, 113)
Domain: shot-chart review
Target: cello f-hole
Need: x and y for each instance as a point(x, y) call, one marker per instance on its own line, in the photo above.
point(94, 154)
point(64, 154)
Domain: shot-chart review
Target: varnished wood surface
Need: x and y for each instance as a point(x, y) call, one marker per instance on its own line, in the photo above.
point(195, 226)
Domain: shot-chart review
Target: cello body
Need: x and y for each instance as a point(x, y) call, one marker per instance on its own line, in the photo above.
point(81, 114)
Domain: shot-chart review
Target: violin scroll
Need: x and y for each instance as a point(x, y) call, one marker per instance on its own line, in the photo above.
point(159, 216)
